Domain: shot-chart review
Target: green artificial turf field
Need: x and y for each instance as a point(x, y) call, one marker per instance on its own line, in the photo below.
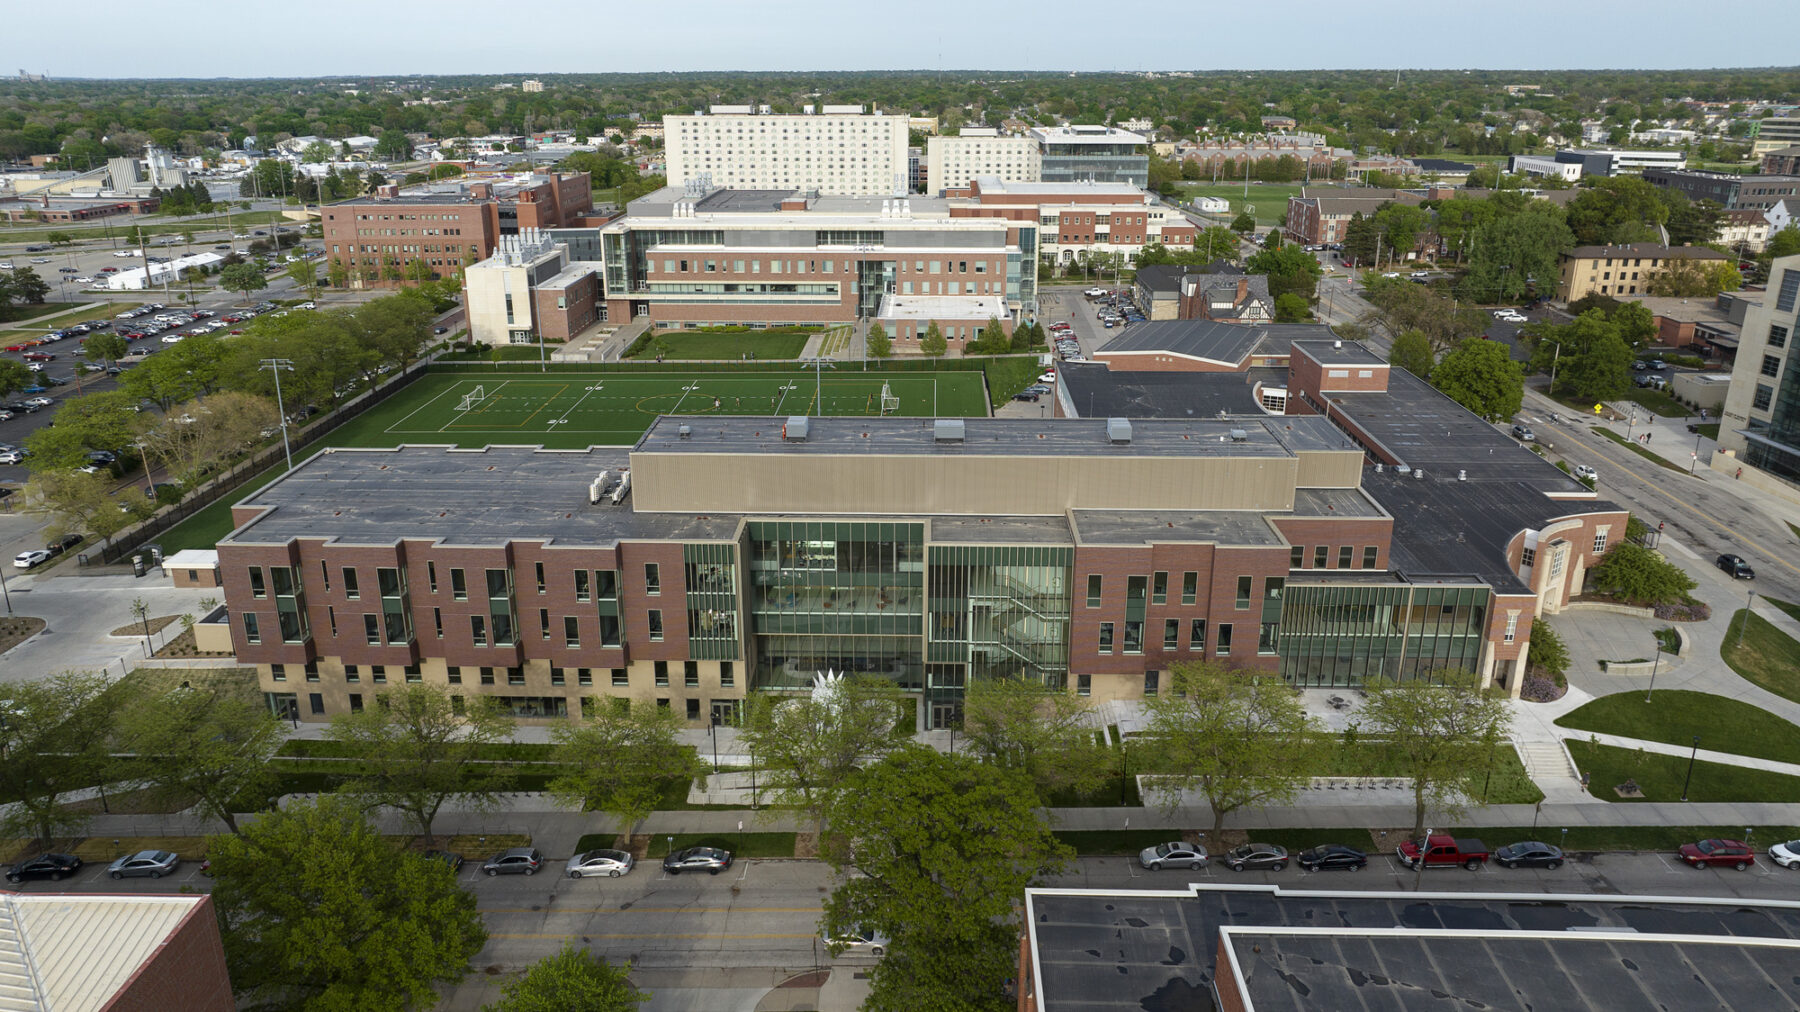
point(573, 409)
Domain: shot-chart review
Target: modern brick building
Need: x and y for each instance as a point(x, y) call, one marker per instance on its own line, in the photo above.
point(446, 225)
point(1078, 219)
point(840, 150)
point(1620, 270)
point(1782, 161)
point(1320, 216)
point(71, 952)
point(1093, 154)
point(747, 553)
point(1729, 190)
point(530, 289)
point(1761, 424)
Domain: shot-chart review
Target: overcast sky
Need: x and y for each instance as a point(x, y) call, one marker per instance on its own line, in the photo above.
point(266, 38)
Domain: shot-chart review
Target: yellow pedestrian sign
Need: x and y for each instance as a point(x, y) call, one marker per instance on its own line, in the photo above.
point(1596, 409)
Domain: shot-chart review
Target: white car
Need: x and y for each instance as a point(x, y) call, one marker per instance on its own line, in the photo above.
point(35, 557)
point(1513, 318)
point(611, 863)
point(172, 338)
point(1094, 293)
point(84, 281)
point(1048, 377)
point(867, 942)
point(1585, 471)
point(40, 402)
point(1786, 854)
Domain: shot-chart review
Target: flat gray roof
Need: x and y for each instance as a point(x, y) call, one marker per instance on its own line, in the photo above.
point(1029, 437)
point(1133, 527)
point(1001, 530)
point(1210, 340)
point(1339, 353)
point(1334, 502)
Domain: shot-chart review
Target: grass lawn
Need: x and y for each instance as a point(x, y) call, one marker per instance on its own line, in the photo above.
point(1657, 401)
point(94, 311)
point(1598, 838)
point(1509, 784)
point(1661, 776)
point(1635, 448)
point(1116, 841)
point(1763, 654)
point(1009, 374)
point(1269, 199)
point(724, 346)
point(1675, 716)
point(150, 225)
point(19, 314)
point(1711, 431)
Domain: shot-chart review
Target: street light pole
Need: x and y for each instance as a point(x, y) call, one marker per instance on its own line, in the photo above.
point(1654, 665)
point(1690, 769)
point(1751, 603)
point(276, 365)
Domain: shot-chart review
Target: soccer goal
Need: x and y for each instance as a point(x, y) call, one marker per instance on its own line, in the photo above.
point(889, 402)
point(472, 398)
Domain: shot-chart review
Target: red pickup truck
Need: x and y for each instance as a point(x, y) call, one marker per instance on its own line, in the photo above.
point(1444, 850)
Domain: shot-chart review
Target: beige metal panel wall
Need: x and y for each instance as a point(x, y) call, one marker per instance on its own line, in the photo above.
point(1329, 469)
point(973, 485)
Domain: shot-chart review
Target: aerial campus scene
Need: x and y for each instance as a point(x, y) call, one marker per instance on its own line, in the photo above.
point(1171, 526)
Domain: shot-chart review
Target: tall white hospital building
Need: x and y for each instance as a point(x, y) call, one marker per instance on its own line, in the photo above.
point(979, 152)
point(839, 150)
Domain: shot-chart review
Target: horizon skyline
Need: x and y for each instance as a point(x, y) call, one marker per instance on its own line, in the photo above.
point(459, 38)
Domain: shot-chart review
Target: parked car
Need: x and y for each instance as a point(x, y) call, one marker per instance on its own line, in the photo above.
point(1529, 854)
point(16, 456)
point(1523, 434)
point(1736, 566)
point(30, 558)
point(1256, 856)
point(455, 861)
point(64, 543)
point(1048, 377)
point(1586, 471)
point(1735, 853)
point(866, 941)
point(611, 863)
point(145, 864)
point(1443, 851)
point(1330, 856)
point(708, 859)
point(516, 861)
point(1173, 855)
point(54, 867)
point(1786, 854)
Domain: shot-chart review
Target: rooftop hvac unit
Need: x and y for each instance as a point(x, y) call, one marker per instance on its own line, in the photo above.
point(947, 430)
point(598, 488)
point(797, 428)
point(1403, 469)
point(1462, 475)
point(1118, 430)
point(618, 495)
point(683, 431)
point(1239, 435)
point(1419, 473)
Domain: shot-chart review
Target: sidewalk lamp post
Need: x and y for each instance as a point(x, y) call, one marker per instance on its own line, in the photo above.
point(1565, 840)
point(1124, 768)
point(1690, 769)
point(142, 611)
point(1654, 666)
point(1748, 604)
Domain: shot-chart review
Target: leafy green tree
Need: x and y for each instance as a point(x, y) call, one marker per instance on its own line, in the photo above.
point(943, 845)
point(23, 285)
point(1400, 226)
point(1412, 352)
point(395, 327)
point(57, 739)
point(877, 341)
point(1441, 731)
point(1514, 252)
point(417, 752)
point(1239, 737)
point(1289, 268)
point(1481, 376)
point(59, 238)
point(1631, 572)
point(1785, 243)
point(304, 276)
point(1216, 243)
point(809, 746)
point(1360, 239)
point(1690, 278)
point(1044, 734)
point(244, 278)
point(209, 744)
point(13, 376)
point(105, 347)
point(1594, 361)
point(338, 274)
point(1695, 223)
point(1244, 223)
point(320, 911)
point(1637, 325)
point(1546, 652)
point(1291, 307)
point(573, 980)
point(190, 368)
point(933, 343)
point(618, 759)
point(1617, 209)
point(1403, 306)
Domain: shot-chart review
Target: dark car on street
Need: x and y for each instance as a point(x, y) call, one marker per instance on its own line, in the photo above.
point(54, 867)
point(1529, 854)
point(1332, 857)
point(711, 860)
point(1736, 567)
point(1256, 857)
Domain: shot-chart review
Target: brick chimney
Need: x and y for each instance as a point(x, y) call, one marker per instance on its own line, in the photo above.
point(1243, 291)
point(481, 191)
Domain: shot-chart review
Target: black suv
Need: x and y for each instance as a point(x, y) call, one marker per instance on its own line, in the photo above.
point(64, 543)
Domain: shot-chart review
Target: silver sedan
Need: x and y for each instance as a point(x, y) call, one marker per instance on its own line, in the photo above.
point(611, 863)
point(145, 863)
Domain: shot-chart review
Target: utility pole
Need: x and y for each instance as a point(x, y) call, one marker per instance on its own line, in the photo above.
point(276, 365)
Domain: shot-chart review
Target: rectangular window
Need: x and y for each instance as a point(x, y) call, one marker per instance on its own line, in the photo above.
point(257, 587)
point(454, 675)
point(278, 672)
point(437, 622)
point(413, 675)
point(1528, 558)
point(540, 578)
point(478, 629)
point(1344, 554)
point(1190, 587)
point(1106, 637)
point(356, 705)
point(571, 631)
point(606, 584)
point(1764, 394)
point(1197, 635)
point(690, 674)
point(1171, 634)
point(544, 622)
point(378, 674)
point(727, 676)
point(1777, 336)
point(1512, 627)
point(1600, 542)
point(662, 674)
point(1159, 588)
point(653, 619)
point(1265, 640)
point(1084, 685)
point(352, 590)
point(652, 578)
point(609, 630)
point(621, 677)
point(1369, 554)
point(1223, 646)
point(1093, 597)
point(252, 631)
point(1243, 591)
point(1771, 365)
point(487, 676)
point(515, 676)
point(1321, 554)
point(372, 629)
point(1151, 680)
point(581, 585)
point(431, 575)
point(317, 699)
point(459, 586)
point(1134, 636)
point(1297, 557)
point(557, 677)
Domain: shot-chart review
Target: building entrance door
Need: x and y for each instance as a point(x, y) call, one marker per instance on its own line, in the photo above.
point(945, 716)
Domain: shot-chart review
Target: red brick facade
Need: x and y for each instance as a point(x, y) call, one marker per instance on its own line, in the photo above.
point(187, 972)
